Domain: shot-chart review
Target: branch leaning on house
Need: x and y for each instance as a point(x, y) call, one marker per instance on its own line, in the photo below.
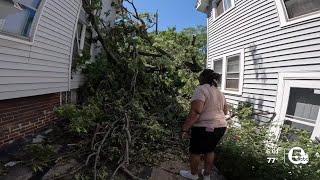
point(94, 18)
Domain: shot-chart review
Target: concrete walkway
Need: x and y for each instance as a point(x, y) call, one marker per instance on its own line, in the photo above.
point(170, 171)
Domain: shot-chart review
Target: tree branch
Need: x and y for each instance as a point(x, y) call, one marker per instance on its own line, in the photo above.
point(149, 54)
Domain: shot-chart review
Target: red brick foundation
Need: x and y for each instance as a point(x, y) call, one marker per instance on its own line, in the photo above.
point(26, 116)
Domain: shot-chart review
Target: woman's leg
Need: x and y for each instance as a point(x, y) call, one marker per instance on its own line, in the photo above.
point(208, 163)
point(194, 163)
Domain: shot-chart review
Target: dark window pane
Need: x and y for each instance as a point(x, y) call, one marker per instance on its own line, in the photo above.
point(303, 105)
point(217, 67)
point(227, 4)
point(31, 3)
point(297, 8)
point(233, 64)
point(219, 9)
point(18, 22)
point(232, 84)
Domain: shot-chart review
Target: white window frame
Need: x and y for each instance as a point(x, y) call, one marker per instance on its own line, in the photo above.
point(224, 71)
point(34, 27)
point(212, 67)
point(284, 19)
point(214, 8)
point(275, 129)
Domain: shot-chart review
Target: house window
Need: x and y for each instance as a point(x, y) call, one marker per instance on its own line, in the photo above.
point(217, 67)
point(17, 17)
point(298, 104)
point(231, 67)
point(294, 11)
point(222, 6)
point(303, 111)
point(233, 73)
point(296, 8)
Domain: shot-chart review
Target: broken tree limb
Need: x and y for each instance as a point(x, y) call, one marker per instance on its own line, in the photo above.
point(128, 173)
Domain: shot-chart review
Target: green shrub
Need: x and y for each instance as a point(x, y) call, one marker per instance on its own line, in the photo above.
point(244, 154)
point(81, 119)
point(42, 156)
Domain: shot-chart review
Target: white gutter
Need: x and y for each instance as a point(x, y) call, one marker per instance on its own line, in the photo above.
point(72, 44)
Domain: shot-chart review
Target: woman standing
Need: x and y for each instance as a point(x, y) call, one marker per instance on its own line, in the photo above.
point(207, 123)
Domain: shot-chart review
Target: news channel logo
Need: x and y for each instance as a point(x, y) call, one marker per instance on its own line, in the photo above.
point(295, 155)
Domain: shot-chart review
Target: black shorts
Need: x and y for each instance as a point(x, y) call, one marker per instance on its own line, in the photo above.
point(203, 140)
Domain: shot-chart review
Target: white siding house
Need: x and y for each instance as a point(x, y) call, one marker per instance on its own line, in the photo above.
point(38, 43)
point(268, 52)
point(35, 58)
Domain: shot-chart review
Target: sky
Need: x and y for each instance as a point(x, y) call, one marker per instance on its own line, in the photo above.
point(173, 13)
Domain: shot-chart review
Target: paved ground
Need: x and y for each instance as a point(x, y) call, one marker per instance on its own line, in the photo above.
point(170, 171)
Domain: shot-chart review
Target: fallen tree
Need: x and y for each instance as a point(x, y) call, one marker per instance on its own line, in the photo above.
point(137, 91)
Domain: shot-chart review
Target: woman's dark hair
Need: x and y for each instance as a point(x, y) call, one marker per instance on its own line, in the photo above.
point(210, 77)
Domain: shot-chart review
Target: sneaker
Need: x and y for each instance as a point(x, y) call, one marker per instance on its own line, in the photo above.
point(188, 175)
point(205, 177)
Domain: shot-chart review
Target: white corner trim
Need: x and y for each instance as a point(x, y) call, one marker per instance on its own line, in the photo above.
point(284, 19)
point(72, 44)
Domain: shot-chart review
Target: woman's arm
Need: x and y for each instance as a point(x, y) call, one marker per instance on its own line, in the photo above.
point(226, 109)
point(196, 109)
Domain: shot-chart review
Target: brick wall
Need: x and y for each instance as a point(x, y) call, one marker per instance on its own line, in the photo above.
point(26, 116)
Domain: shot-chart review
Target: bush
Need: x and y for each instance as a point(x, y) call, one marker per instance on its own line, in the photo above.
point(244, 154)
point(42, 156)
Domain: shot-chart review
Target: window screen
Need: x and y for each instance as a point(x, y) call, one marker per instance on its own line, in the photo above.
point(217, 67)
point(233, 72)
point(296, 8)
point(303, 105)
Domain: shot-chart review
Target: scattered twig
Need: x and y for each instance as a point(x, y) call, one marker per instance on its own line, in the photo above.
point(88, 158)
point(169, 171)
point(94, 136)
point(128, 173)
point(115, 172)
point(70, 173)
point(128, 139)
point(100, 147)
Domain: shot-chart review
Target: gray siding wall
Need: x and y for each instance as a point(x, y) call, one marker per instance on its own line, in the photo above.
point(43, 67)
point(269, 48)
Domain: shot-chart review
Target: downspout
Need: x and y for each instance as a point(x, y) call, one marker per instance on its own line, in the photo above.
point(82, 39)
point(72, 44)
